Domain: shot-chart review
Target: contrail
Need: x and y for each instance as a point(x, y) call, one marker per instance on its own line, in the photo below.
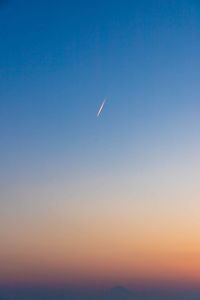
point(101, 107)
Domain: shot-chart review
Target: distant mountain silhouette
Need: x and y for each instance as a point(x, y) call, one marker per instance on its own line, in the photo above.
point(117, 293)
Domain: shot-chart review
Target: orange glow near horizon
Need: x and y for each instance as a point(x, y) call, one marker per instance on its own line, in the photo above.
point(124, 253)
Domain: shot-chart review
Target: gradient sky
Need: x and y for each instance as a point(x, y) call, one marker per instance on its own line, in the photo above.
point(87, 201)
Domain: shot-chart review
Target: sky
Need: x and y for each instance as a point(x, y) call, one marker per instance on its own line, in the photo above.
point(87, 201)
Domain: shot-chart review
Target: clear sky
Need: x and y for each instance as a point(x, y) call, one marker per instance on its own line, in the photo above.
point(114, 199)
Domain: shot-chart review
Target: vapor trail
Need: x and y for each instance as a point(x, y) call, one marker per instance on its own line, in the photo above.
point(101, 107)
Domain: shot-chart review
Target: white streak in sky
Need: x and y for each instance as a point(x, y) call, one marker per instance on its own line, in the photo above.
point(101, 107)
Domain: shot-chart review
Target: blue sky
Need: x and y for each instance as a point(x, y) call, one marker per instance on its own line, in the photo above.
point(58, 61)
